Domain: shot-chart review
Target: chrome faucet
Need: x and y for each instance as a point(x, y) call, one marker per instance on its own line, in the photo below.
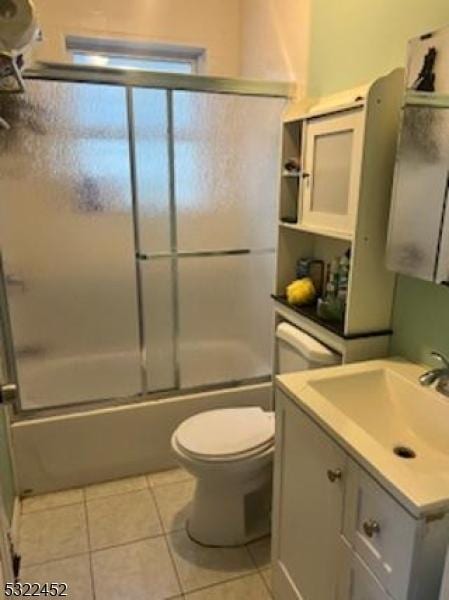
point(439, 375)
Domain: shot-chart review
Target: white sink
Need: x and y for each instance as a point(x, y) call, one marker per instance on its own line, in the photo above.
point(393, 410)
point(381, 414)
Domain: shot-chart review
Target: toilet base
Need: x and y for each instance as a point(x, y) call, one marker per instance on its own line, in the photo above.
point(229, 511)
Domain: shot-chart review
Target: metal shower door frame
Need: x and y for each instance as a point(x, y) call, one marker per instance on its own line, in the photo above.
point(130, 80)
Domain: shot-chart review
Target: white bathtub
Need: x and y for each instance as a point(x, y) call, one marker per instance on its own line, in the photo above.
point(97, 444)
point(65, 451)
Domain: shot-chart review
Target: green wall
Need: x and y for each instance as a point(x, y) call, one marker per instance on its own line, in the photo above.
point(353, 41)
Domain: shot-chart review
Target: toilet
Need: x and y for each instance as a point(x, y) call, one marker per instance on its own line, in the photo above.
point(230, 453)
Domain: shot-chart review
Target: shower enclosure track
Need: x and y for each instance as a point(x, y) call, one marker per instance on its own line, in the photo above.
point(167, 81)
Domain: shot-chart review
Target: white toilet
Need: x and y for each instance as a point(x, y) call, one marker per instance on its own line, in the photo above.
point(230, 452)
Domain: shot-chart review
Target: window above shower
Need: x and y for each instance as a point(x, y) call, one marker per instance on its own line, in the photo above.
point(121, 54)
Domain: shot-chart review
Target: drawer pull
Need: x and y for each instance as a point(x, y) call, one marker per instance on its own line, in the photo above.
point(371, 528)
point(334, 475)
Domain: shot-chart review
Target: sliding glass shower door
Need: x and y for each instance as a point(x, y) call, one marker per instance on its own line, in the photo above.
point(66, 231)
point(206, 187)
point(226, 164)
point(137, 230)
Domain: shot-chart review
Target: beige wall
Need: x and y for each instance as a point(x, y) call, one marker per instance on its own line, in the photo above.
point(257, 39)
point(275, 40)
point(210, 24)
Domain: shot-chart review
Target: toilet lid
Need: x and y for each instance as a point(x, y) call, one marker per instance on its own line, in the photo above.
point(225, 432)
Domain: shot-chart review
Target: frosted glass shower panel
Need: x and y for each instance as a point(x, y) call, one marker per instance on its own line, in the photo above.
point(158, 315)
point(67, 242)
point(225, 316)
point(152, 168)
point(419, 192)
point(227, 170)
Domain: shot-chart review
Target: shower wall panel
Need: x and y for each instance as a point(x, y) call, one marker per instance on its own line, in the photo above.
point(67, 241)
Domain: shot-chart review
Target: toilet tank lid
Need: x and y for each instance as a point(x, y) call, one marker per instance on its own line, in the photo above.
point(226, 431)
point(306, 345)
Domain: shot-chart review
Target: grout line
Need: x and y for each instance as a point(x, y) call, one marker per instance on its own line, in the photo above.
point(91, 568)
point(178, 481)
point(128, 543)
point(264, 582)
point(113, 495)
point(169, 550)
point(251, 557)
point(260, 569)
point(220, 583)
point(52, 560)
point(39, 510)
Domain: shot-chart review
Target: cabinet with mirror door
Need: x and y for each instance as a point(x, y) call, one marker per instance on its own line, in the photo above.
point(418, 240)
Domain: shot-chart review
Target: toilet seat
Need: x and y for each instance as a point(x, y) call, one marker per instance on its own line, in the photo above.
point(226, 434)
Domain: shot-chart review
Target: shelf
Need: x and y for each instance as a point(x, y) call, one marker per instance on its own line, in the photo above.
point(337, 327)
point(337, 235)
point(309, 311)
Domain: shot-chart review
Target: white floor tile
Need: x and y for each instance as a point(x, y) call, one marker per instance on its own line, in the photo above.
point(139, 571)
point(111, 488)
point(247, 588)
point(174, 502)
point(198, 566)
point(121, 519)
point(75, 572)
point(51, 534)
point(261, 552)
point(170, 476)
point(53, 500)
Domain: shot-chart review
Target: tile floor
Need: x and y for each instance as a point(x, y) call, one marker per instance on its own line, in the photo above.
point(125, 540)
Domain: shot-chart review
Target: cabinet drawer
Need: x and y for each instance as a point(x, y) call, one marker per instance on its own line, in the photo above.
point(380, 531)
point(356, 582)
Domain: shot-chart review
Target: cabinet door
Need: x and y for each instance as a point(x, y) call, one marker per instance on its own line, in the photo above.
point(307, 506)
point(418, 228)
point(333, 156)
point(356, 582)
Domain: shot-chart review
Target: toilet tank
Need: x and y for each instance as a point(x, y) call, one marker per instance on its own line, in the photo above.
point(298, 351)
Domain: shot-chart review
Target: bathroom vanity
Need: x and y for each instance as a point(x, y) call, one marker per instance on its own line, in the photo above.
point(361, 485)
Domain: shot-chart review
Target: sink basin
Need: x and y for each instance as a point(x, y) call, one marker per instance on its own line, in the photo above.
point(379, 413)
point(393, 410)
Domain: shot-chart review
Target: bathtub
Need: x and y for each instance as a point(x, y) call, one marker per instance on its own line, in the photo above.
point(71, 448)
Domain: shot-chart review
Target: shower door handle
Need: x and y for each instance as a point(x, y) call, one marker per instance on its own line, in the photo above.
point(8, 393)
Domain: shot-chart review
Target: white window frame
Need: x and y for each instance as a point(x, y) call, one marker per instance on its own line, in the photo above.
point(119, 48)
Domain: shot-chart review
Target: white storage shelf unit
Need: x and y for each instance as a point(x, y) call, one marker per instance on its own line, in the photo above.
point(340, 200)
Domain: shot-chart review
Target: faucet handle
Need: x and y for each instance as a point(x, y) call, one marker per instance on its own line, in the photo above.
point(441, 358)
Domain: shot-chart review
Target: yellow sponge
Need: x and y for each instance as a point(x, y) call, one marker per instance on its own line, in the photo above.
point(301, 291)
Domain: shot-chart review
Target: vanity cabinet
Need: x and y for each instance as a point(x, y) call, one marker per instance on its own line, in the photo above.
point(337, 533)
point(309, 496)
